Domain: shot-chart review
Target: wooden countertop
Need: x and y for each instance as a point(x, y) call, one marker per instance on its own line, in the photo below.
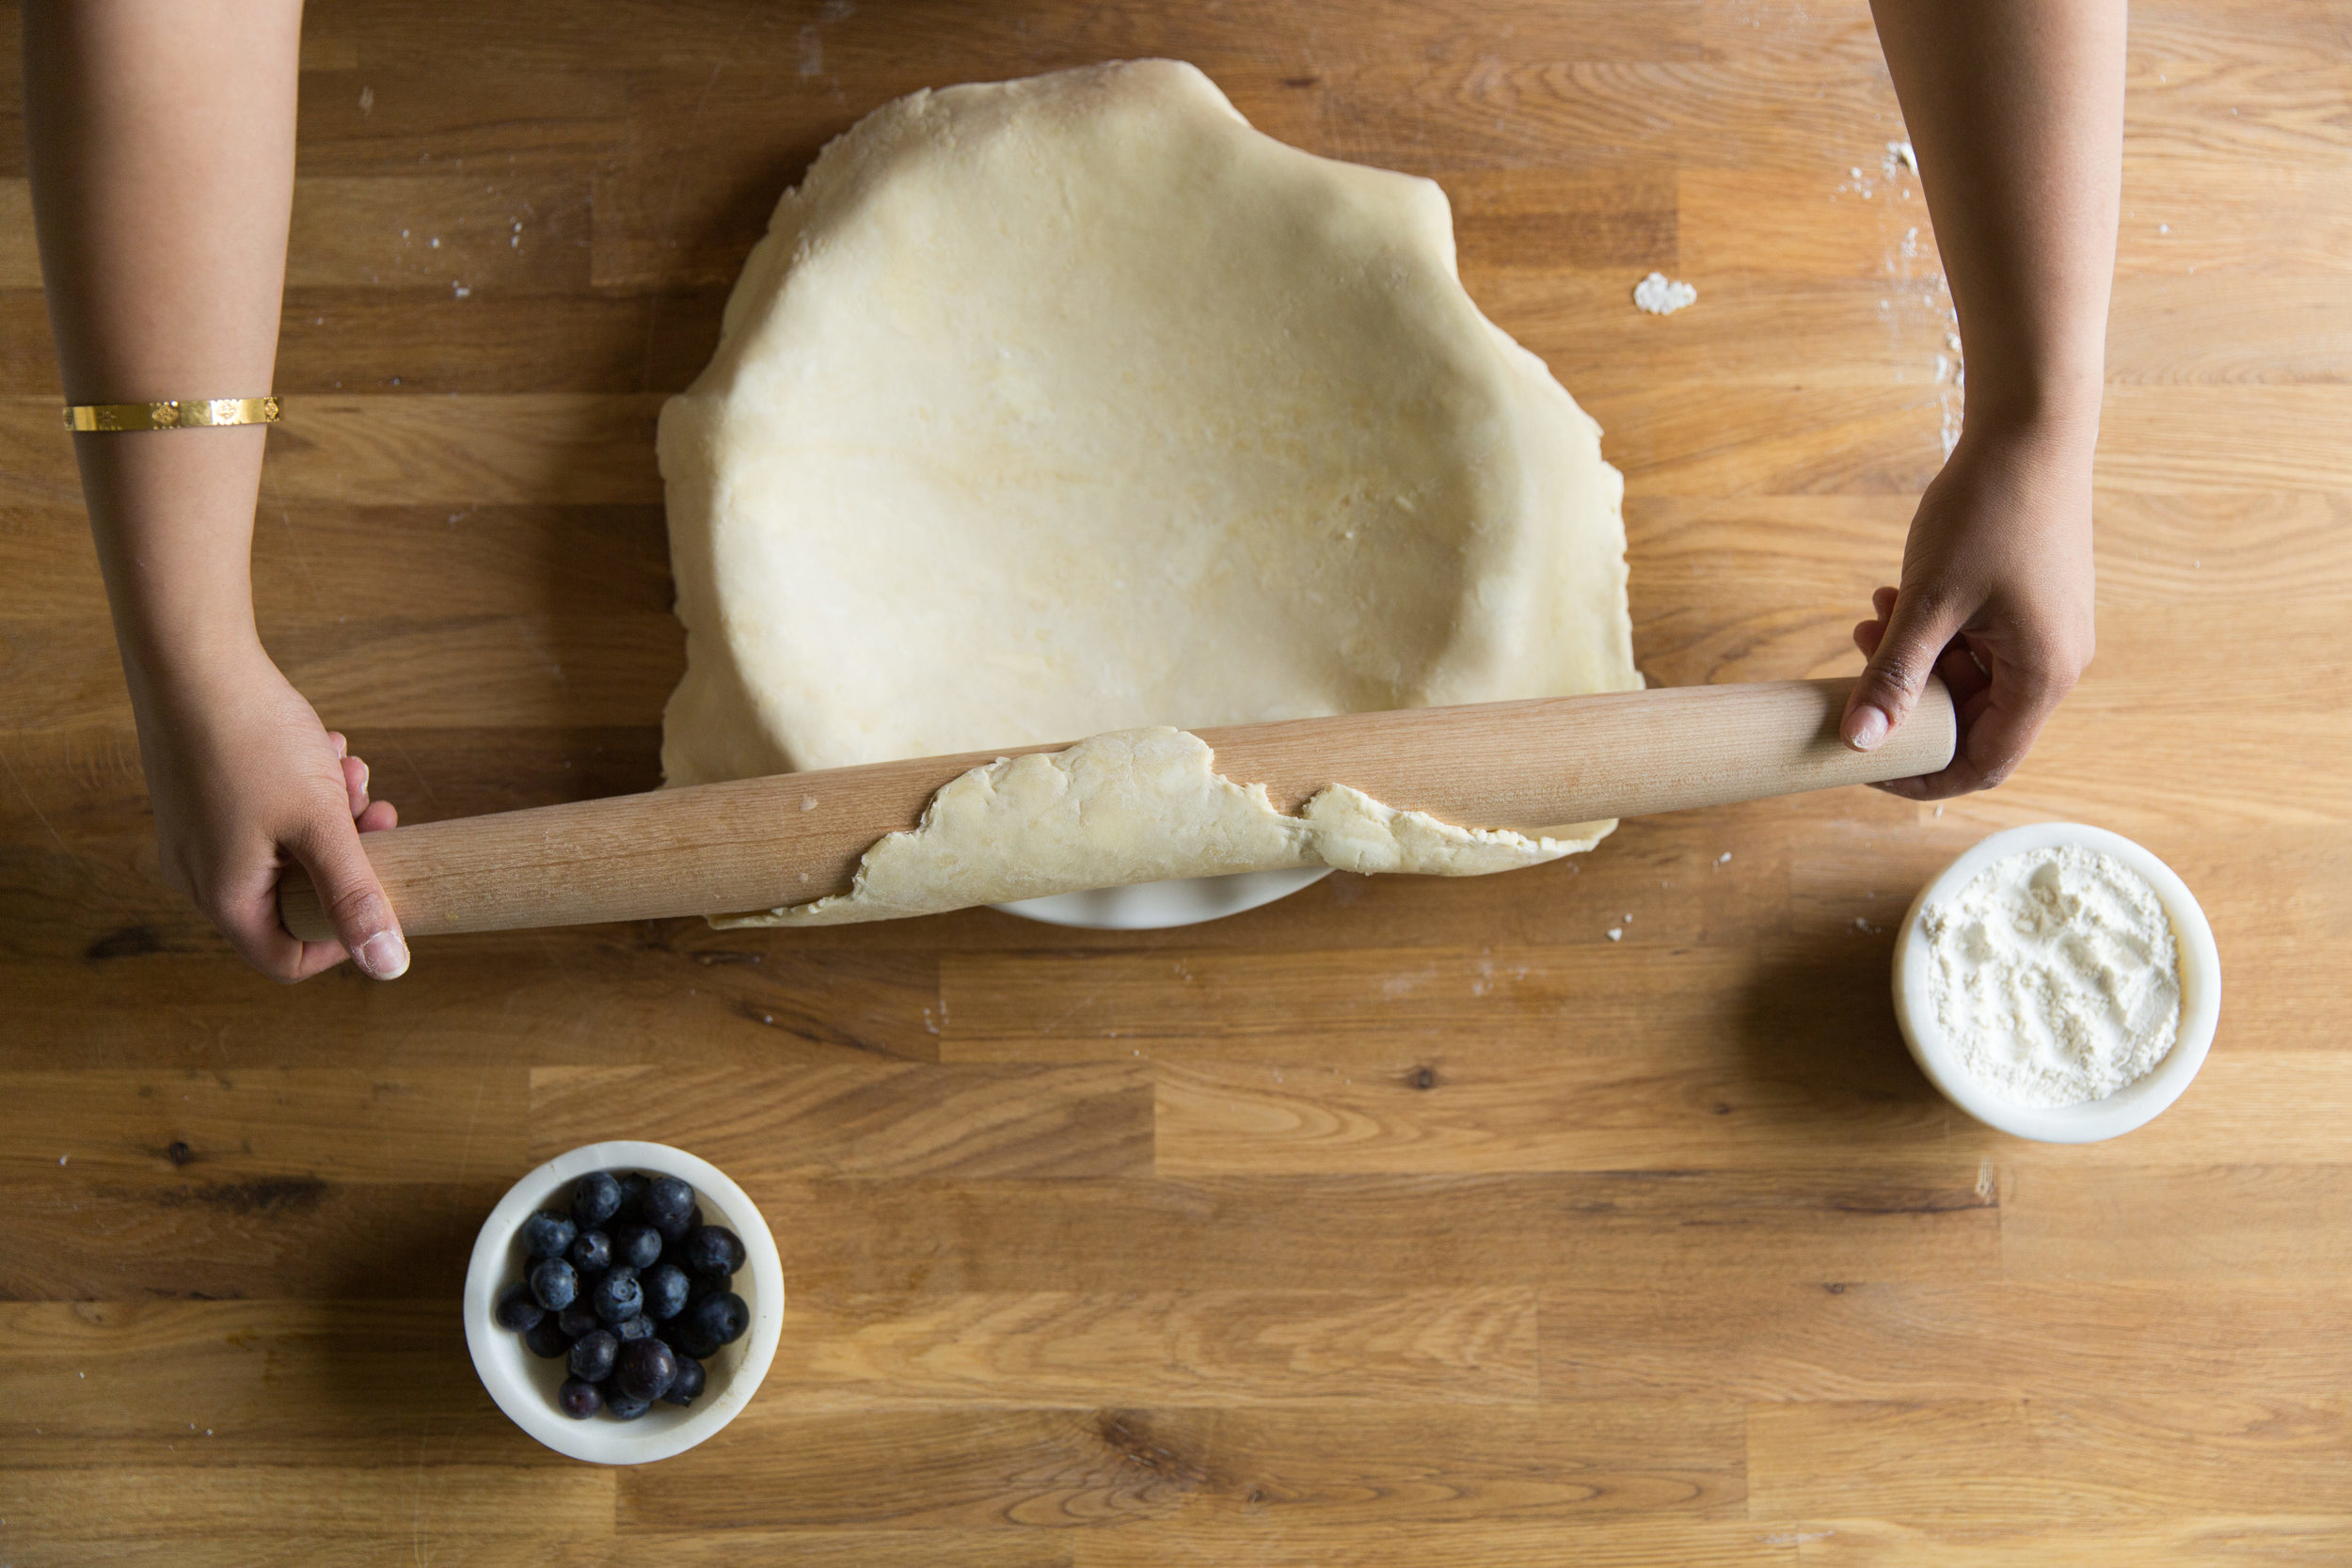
point(1404, 1222)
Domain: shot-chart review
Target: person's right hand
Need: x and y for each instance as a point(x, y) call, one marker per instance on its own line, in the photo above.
point(245, 781)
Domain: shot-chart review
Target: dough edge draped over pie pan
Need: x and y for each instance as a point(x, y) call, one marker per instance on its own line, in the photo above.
point(1069, 405)
point(1133, 806)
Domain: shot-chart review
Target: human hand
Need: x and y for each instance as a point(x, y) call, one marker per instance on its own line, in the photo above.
point(1996, 598)
point(246, 780)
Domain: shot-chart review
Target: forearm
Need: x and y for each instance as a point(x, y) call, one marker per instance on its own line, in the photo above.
point(160, 142)
point(2016, 110)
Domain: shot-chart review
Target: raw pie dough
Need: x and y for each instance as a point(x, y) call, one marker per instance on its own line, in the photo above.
point(1073, 404)
point(1137, 806)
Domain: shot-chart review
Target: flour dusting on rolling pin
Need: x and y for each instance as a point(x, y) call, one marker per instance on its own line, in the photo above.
point(2055, 976)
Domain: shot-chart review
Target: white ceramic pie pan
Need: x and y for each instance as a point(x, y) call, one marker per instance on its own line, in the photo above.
point(2133, 1106)
point(524, 1384)
point(1151, 906)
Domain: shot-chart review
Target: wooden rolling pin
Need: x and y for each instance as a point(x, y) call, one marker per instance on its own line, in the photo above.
point(760, 843)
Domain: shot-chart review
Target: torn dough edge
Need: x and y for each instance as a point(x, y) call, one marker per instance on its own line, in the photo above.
point(1137, 806)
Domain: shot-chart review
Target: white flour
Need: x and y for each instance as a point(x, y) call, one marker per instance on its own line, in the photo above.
point(1661, 295)
point(2055, 976)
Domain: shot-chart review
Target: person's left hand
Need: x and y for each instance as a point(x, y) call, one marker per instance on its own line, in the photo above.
point(1996, 598)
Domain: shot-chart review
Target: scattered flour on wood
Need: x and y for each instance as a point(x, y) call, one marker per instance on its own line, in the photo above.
point(1661, 295)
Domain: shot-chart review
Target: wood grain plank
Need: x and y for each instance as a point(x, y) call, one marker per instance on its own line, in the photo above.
point(1764, 231)
point(673, 995)
point(2133, 1452)
point(1865, 1341)
point(2183, 785)
point(1201, 1348)
point(1547, 220)
point(1705, 558)
point(2167, 439)
point(2231, 1223)
point(2286, 1540)
point(2209, 330)
point(328, 562)
point(861, 44)
point(1492, 1113)
point(1926, 1219)
point(455, 233)
point(1311, 1466)
point(385, 121)
point(2234, 221)
point(1851, 334)
point(223, 1384)
point(864, 1118)
point(1379, 1011)
point(1715, 441)
point(1598, 1542)
point(142, 1503)
point(20, 253)
point(419, 343)
point(329, 1124)
point(76, 1238)
point(686, 1547)
point(1237, 1117)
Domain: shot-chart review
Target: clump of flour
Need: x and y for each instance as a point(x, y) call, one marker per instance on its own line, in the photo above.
point(1661, 295)
point(2055, 976)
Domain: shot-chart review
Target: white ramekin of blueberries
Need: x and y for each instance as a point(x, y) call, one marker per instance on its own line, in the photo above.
point(624, 1302)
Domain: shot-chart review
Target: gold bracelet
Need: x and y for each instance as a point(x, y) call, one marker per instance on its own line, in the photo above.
point(171, 414)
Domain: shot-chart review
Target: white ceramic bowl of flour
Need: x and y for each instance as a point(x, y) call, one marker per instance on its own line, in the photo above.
point(1941, 1056)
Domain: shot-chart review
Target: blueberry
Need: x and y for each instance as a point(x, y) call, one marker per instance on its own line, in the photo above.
point(638, 1246)
point(546, 1233)
point(518, 1308)
point(591, 1252)
point(624, 1408)
point(555, 1283)
point(638, 1328)
point(681, 1336)
point(687, 1386)
point(579, 1399)
point(714, 1250)
point(592, 1357)
point(664, 1285)
point(616, 1296)
point(594, 1196)
point(633, 1196)
point(692, 1223)
point(578, 1319)
point(722, 1317)
point(545, 1339)
point(645, 1370)
point(699, 1286)
point(667, 1205)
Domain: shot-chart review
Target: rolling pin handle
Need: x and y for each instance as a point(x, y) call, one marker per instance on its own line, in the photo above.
point(299, 909)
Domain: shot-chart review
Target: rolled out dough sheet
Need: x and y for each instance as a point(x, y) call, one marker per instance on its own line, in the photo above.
point(1072, 405)
point(1138, 805)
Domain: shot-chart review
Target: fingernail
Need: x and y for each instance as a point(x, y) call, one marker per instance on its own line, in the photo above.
point(362, 786)
point(1865, 729)
point(384, 955)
